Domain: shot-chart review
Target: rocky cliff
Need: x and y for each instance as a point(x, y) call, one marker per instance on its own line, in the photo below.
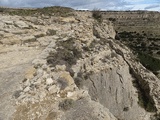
point(71, 68)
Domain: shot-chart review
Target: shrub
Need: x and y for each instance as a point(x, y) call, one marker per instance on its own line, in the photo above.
point(51, 32)
point(96, 14)
point(149, 62)
point(66, 54)
point(51, 116)
point(1, 9)
point(63, 83)
point(112, 19)
point(66, 104)
point(17, 94)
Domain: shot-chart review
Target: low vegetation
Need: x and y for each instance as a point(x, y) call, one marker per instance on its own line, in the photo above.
point(67, 54)
point(55, 11)
point(66, 104)
point(51, 116)
point(97, 15)
point(51, 32)
point(144, 99)
point(145, 46)
point(2, 9)
point(149, 62)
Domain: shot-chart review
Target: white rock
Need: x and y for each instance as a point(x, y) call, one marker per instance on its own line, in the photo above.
point(49, 81)
point(40, 72)
point(45, 75)
point(27, 83)
point(58, 95)
point(26, 89)
point(42, 95)
point(28, 38)
point(8, 22)
point(44, 67)
point(53, 89)
point(44, 41)
point(70, 94)
point(38, 62)
point(38, 82)
point(60, 67)
point(21, 24)
point(21, 97)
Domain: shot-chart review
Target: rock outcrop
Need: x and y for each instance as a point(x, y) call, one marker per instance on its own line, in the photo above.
point(71, 68)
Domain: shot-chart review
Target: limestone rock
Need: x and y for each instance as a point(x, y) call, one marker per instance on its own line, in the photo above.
point(26, 89)
point(27, 39)
point(49, 81)
point(10, 40)
point(21, 24)
point(38, 62)
point(42, 96)
point(68, 19)
point(30, 73)
point(44, 41)
point(53, 89)
point(8, 22)
point(60, 67)
point(67, 78)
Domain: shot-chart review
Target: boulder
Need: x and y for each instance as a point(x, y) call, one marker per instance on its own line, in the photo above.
point(20, 24)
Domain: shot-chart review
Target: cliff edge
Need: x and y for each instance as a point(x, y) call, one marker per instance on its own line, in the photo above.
point(71, 68)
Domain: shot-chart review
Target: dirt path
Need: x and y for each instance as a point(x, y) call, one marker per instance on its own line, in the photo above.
point(14, 61)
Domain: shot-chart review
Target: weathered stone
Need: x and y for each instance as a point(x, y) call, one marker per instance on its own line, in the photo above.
point(30, 73)
point(38, 82)
point(60, 67)
point(68, 19)
point(10, 40)
point(38, 62)
point(8, 22)
point(70, 94)
point(26, 89)
point(66, 77)
point(53, 89)
point(44, 41)
point(28, 39)
point(49, 81)
point(42, 96)
point(20, 24)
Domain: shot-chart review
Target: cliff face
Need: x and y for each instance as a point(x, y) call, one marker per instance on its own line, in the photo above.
point(71, 68)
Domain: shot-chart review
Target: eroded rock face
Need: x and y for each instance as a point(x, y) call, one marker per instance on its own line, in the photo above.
point(89, 110)
point(114, 89)
point(73, 69)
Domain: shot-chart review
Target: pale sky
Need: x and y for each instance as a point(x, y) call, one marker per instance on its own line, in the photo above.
point(153, 5)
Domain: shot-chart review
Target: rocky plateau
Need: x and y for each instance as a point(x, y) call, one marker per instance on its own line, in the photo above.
point(70, 66)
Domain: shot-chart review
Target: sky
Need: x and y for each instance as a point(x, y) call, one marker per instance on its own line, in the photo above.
point(152, 5)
